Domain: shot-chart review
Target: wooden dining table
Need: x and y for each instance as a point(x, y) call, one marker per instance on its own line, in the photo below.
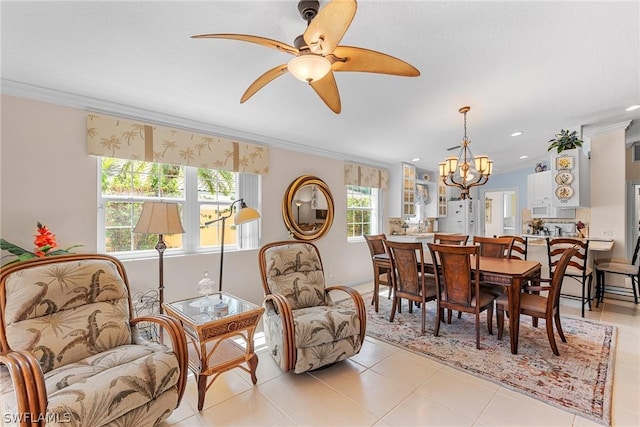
point(505, 272)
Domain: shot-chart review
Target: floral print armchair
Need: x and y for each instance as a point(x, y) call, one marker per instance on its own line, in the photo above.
point(303, 328)
point(70, 354)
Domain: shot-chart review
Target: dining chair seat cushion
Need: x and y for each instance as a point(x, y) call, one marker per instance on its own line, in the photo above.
point(615, 267)
point(324, 324)
point(600, 261)
point(572, 271)
point(485, 299)
point(528, 303)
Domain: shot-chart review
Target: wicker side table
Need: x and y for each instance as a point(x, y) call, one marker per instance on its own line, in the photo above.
point(213, 336)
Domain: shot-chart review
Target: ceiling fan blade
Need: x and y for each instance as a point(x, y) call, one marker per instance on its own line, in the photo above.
point(327, 90)
point(261, 81)
point(328, 27)
point(349, 58)
point(263, 41)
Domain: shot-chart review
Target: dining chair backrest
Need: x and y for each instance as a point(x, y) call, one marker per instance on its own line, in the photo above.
point(450, 239)
point(577, 266)
point(519, 248)
point(455, 282)
point(553, 298)
point(374, 242)
point(405, 258)
point(495, 247)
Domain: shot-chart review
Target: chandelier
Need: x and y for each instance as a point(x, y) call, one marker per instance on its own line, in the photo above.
point(465, 171)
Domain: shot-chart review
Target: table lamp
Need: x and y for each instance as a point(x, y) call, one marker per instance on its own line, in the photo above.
point(243, 215)
point(159, 218)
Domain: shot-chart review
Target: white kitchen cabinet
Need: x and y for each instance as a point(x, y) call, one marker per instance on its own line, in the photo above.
point(442, 200)
point(540, 197)
point(539, 188)
point(402, 191)
point(570, 179)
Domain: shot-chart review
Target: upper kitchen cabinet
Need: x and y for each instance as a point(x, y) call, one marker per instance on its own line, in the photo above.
point(540, 197)
point(570, 181)
point(408, 190)
point(402, 191)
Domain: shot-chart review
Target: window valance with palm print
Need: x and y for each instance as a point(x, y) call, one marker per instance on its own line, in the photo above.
point(128, 139)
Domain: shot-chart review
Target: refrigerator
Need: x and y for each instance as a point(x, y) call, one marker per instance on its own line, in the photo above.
point(463, 216)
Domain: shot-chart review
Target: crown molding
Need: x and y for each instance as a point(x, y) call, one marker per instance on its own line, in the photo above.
point(590, 131)
point(95, 105)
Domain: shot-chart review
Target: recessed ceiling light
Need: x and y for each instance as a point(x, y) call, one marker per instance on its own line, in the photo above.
point(523, 157)
point(516, 133)
point(633, 107)
point(415, 159)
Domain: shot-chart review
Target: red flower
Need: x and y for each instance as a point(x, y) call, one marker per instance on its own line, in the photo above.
point(44, 241)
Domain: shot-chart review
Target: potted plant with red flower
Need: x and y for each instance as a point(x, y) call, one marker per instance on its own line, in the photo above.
point(45, 245)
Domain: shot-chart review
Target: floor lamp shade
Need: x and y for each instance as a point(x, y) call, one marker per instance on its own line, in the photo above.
point(246, 214)
point(159, 218)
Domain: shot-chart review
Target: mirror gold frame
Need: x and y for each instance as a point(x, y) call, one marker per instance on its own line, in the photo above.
point(290, 199)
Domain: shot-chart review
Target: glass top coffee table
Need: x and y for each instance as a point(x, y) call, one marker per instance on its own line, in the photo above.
point(220, 329)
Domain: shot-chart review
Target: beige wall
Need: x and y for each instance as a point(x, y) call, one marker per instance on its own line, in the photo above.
point(46, 175)
point(632, 168)
point(608, 188)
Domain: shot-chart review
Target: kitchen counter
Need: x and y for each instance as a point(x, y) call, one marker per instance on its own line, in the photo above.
point(597, 244)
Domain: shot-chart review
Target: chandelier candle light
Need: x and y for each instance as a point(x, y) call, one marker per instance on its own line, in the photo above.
point(465, 171)
point(243, 215)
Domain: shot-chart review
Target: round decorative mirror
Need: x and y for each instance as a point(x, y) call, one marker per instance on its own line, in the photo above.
point(307, 208)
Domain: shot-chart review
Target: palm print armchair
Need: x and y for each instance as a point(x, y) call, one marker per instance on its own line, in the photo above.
point(70, 352)
point(303, 327)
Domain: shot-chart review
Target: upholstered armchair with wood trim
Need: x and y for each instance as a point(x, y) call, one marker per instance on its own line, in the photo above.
point(304, 328)
point(70, 351)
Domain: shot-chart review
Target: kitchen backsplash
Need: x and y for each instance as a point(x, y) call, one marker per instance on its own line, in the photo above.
point(582, 214)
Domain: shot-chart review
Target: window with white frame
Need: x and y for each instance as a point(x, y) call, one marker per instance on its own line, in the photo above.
point(202, 195)
point(362, 211)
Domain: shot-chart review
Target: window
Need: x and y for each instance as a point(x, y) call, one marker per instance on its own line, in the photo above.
point(202, 195)
point(362, 211)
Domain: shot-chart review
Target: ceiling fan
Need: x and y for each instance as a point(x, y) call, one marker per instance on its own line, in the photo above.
point(317, 54)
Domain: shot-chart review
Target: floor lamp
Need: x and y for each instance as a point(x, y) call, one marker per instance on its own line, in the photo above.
point(159, 218)
point(243, 215)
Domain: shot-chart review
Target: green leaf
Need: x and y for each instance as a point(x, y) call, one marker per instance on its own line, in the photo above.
point(13, 249)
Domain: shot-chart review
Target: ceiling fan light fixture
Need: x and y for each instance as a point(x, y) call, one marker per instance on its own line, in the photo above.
point(309, 68)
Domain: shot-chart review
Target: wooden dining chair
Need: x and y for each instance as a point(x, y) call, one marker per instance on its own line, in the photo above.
point(458, 284)
point(450, 239)
point(538, 306)
point(496, 247)
point(409, 281)
point(381, 266)
point(519, 248)
point(578, 269)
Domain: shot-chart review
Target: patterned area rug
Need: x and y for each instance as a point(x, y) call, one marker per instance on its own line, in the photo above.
point(580, 380)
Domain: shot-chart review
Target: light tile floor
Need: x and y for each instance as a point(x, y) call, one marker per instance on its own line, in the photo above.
point(386, 386)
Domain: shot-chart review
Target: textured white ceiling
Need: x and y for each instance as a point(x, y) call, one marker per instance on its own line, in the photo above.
point(534, 67)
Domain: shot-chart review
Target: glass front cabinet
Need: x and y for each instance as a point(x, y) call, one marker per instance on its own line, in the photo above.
point(442, 200)
point(408, 190)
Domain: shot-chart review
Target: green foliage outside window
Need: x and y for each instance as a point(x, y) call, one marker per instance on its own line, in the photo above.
point(125, 184)
point(359, 211)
